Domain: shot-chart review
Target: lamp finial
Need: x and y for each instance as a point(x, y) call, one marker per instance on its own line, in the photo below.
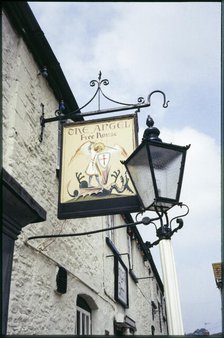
point(151, 133)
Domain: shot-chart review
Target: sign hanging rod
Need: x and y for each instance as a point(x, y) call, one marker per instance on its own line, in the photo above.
point(95, 112)
point(61, 116)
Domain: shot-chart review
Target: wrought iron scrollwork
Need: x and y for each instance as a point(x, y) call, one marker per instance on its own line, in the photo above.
point(99, 91)
point(141, 100)
point(105, 82)
point(61, 116)
point(165, 102)
point(165, 230)
point(60, 110)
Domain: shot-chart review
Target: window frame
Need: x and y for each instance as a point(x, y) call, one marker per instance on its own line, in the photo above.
point(118, 281)
point(130, 251)
point(88, 323)
point(110, 233)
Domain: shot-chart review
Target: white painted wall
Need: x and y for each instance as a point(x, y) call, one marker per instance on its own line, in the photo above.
point(34, 306)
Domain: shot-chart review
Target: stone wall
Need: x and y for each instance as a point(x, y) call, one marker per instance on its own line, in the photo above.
point(35, 307)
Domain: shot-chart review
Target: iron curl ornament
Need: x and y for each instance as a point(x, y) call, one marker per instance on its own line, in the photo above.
point(165, 102)
point(105, 82)
point(60, 114)
point(165, 230)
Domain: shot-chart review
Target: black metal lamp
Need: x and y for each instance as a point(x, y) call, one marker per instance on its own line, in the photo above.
point(156, 170)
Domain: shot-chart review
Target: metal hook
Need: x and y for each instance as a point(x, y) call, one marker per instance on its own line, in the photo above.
point(165, 103)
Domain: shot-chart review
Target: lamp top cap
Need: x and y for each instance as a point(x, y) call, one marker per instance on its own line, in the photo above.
point(151, 133)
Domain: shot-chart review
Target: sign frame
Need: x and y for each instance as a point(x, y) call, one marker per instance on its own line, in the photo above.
point(105, 205)
point(121, 282)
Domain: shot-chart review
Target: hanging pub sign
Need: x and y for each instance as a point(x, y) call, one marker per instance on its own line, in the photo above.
point(93, 181)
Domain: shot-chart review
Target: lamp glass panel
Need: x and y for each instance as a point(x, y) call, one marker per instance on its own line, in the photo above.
point(140, 173)
point(167, 169)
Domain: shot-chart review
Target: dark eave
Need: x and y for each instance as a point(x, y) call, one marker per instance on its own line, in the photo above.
point(24, 21)
point(18, 207)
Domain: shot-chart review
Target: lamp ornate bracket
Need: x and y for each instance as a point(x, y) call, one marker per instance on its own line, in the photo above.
point(165, 231)
point(61, 116)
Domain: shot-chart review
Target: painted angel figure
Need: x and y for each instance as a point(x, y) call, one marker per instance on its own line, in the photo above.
point(98, 159)
point(93, 169)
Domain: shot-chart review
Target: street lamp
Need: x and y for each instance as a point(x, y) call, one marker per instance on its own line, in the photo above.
point(156, 170)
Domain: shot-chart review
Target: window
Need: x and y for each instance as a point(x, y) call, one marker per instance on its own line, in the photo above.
point(154, 309)
point(110, 224)
point(61, 281)
point(83, 317)
point(121, 282)
point(162, 305)
point(152, 330)
point(160, 320)
point(83, 322)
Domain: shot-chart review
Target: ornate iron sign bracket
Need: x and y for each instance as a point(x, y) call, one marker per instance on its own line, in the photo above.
point(61, 116)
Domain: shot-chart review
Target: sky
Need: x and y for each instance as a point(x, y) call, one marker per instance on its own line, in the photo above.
point(174, 47)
